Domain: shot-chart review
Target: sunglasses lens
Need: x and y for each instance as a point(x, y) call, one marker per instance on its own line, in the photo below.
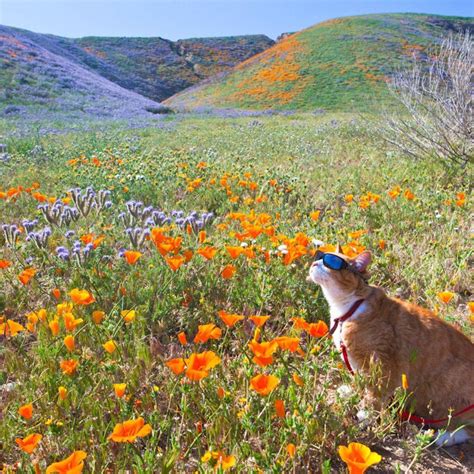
point(333, 262)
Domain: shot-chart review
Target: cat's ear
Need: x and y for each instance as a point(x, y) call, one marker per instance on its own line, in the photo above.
point(362, 261)
point(339, 248)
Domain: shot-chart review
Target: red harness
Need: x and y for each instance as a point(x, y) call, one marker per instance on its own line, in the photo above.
point(404, 415)
point(341, 319)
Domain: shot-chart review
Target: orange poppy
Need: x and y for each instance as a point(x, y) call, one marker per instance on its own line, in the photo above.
point(110, 346)
point(409, 195)
point(69, 366)
point(224, 462)
point(264, 384)
point(263, 352)
point(358, 457)
point(280, 408)
point(26, 275)
point(4, 264)
point(132, 256)
point(298, 380)
point(259, 321)
point(130, 430)
point(128, 315)
point(119, 389)
point(198, 365)
point(177, 365)
point(70, 322)
point(234, 251)
point(29, 444)
point(182, 338)
point(291, 450)
point(207, 252)
point(229, 319)
point(81, 297)
point(314, 215)
point(10, 328)
point(446, 296)
point(54, 326)
point(175, 262)
point(56, 293)
point(300, 323)
point(206, 332)
point(62, 393)
point(71, 465)
point(26, 411)
point(318, 329)
point(69, 343)
point(404, 382)
point(228, 272)
point(98, 316)
point(286, 343)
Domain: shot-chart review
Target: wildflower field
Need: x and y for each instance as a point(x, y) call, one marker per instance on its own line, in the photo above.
point(154, 309)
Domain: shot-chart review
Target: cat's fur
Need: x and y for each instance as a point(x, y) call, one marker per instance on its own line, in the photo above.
point(437, 359)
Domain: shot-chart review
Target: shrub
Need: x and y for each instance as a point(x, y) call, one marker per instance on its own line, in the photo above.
point(436, 95)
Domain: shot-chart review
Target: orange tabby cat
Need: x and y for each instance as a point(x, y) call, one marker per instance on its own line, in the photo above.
point(438, 360)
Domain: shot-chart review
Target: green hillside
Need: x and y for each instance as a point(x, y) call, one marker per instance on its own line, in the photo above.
point(339, 64)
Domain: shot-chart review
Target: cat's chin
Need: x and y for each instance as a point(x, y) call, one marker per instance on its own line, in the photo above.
point(317, 275)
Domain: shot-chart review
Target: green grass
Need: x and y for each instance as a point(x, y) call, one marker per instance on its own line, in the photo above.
point(316, 163)
point(342, 65)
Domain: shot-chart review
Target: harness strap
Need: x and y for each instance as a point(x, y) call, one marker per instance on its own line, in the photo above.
point(407, 416)
point(341, 319)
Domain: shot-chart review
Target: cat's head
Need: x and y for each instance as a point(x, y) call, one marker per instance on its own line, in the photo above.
point(347, 279)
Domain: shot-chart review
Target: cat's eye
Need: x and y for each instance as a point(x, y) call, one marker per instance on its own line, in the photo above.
point(333, 262)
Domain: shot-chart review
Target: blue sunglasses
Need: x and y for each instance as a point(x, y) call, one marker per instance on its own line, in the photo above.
point(331, 261)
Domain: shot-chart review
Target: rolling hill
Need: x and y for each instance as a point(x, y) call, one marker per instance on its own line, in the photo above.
point(108, 76)
point(340, 65)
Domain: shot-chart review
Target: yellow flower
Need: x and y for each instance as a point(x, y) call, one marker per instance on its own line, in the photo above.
point(128, 315)
point(119, 389)
point(62, 392)
point(404, 382)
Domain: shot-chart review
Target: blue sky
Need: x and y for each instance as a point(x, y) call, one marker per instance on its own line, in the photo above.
point(176, 19)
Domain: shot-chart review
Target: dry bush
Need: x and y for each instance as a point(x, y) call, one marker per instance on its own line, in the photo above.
point(436, 95)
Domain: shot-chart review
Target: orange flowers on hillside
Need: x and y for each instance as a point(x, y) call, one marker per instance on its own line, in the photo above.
point(26, 275)
point(30, 443)
point(130, 430)
point(69, 366)
point(234, 251)
point(81, 297)
point(358, 457)
point(132, 256)
point(264, 384)
point(206, 332)
point(71, 465)
point(177, 365)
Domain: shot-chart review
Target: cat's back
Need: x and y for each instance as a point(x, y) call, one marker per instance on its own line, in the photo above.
point(414, 322)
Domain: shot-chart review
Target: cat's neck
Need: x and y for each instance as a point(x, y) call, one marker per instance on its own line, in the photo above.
point(341, 302)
